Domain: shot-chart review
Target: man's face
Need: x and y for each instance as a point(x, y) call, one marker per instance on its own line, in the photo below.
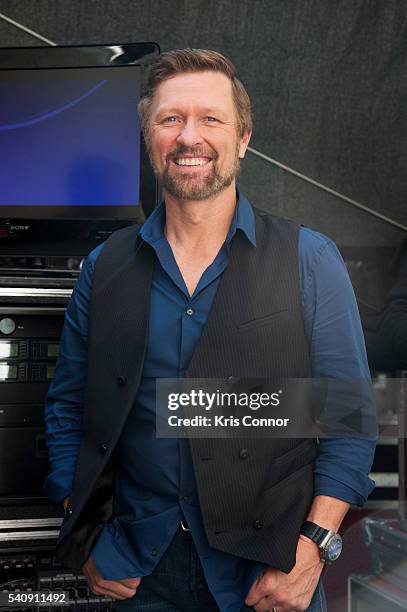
point(193, 140)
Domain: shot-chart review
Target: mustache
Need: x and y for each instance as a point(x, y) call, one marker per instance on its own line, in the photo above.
point(195, 151)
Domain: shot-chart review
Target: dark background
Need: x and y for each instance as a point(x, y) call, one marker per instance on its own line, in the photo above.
point(328, 82)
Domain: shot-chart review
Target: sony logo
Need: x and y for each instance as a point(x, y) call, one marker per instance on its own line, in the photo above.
point(19, 227)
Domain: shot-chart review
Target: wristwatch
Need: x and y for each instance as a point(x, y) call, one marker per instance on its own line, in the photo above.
point(328, 542)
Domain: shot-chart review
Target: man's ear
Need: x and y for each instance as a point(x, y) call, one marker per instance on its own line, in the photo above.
point(244, 143)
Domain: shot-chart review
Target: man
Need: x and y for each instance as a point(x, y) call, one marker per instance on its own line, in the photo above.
point(208, 288)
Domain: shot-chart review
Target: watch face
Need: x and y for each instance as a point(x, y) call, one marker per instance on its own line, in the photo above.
point(333, 548)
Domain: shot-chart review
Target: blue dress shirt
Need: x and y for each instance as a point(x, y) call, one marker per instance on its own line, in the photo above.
point(155, 483)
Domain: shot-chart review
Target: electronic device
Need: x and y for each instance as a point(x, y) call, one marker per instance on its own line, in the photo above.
point(367, 593)
point(73, 166)
point(27, 562)
point(29, 345)
point(384, 588)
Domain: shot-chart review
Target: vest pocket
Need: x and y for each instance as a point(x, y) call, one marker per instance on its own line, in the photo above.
point(290, 462)
point(273, 317)
point(288, 480)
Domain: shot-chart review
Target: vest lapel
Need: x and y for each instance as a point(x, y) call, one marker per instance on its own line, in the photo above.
point(133, 315)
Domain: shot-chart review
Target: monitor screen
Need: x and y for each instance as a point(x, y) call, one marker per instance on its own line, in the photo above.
point(70, 137)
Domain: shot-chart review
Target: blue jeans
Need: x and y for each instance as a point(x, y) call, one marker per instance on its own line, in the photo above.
point(178, 584)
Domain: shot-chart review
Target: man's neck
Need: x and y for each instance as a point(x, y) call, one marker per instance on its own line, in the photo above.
point(199, 225)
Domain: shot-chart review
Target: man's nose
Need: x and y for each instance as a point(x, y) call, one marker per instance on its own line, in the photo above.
point(189, 134)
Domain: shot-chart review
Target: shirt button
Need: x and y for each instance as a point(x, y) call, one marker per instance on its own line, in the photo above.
point(154, 552)
point(103, 448)
point(258, 524)
point(243, 453)
point(122, 380)
point(190, 311)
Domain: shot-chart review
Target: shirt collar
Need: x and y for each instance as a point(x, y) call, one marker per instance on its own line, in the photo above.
point(243, 219)
point(152, 229)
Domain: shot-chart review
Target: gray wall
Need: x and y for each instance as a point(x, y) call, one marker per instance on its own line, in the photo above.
point(328, 81)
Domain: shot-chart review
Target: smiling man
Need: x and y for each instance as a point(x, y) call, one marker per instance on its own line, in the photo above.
point(208, 287)
point(195, 168)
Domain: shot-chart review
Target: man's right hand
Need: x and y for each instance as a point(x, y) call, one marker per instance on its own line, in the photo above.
point(118, 589)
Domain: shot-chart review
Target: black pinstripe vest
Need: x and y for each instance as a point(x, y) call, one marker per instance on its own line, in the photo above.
point(252, 508)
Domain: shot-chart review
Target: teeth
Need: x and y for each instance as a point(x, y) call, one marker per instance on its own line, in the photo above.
point(191, 161)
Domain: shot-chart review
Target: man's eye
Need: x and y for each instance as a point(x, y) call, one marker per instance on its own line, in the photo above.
point(171, 119)
point(211, 119)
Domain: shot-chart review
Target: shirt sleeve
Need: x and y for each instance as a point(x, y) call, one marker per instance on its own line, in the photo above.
point(337, 350)
point(63, 409)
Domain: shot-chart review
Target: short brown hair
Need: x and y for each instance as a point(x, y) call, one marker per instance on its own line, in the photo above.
point(172, 63)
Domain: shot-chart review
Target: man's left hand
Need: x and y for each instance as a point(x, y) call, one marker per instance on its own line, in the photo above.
point(288, 592)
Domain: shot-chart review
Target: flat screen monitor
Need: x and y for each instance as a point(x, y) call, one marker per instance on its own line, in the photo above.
point(70, 139)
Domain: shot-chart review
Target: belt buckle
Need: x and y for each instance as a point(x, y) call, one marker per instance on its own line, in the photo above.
point(183, 526)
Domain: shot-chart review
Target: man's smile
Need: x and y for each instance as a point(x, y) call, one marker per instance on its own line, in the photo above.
point(192, 161)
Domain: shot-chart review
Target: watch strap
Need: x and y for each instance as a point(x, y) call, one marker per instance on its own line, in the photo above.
point(314, 532)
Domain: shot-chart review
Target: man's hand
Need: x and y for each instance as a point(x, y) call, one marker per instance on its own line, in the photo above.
point(118, 589)
point(65, 503)
point(288, 592)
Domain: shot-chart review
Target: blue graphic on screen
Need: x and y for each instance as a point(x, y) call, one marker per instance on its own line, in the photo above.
point(70, 137)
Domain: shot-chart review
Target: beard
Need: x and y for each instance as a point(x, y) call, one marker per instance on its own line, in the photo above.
point(193, 186)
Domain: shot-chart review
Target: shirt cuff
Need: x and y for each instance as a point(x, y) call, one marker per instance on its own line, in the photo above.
point(112, 563)
point(326, 485)
point(58, 485)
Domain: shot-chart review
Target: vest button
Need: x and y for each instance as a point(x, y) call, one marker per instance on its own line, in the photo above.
point(243, 453)
point(189, 311)
point(122, 380)
point(258, 524)
point(103, 448)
